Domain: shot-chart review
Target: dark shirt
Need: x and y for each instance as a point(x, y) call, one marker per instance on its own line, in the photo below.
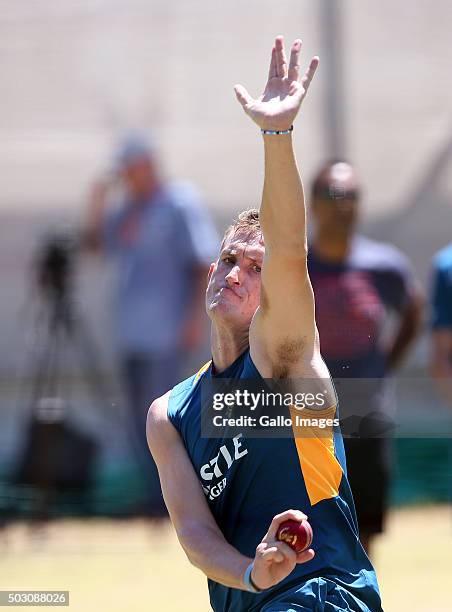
point(353, 299)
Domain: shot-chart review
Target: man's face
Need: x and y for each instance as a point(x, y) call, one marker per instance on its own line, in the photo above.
point(336, 206)
point(139, 176)
point(233, 290)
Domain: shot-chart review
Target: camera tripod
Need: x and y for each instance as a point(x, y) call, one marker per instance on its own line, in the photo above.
point(58, 456)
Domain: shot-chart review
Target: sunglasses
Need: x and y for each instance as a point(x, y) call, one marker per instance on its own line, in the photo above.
point(334, 193)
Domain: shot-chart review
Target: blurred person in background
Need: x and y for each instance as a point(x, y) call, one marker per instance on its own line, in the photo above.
point(356, 283)
point(161, 241)
point(442, 321)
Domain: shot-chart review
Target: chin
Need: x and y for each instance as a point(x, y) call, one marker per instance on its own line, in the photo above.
point(224, 312)
point(220, 308)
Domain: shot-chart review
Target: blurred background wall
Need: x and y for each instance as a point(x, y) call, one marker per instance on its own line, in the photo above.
point(75, 75)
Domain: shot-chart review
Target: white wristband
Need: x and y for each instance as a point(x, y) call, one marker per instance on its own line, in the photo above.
point(248, 581)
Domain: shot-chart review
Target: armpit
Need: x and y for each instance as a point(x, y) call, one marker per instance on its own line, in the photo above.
point(287, 355)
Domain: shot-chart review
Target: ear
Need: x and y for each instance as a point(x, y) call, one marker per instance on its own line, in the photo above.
point(210, 272)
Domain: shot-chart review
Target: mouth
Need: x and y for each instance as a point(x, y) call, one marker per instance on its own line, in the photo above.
point(224, 289)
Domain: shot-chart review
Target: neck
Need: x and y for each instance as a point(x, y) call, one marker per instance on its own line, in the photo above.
point(332, 247)
point(226, 345)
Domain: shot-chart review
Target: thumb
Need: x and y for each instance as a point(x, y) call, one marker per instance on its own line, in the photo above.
point(273, 554)
point(242, 95)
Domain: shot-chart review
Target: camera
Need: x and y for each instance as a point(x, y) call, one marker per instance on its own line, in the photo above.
point(55, 264)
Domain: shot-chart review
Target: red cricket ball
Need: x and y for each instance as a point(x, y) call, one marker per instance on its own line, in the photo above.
point(298, 535)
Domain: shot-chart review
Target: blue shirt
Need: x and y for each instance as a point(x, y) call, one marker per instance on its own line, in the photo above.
point(248, 481)
point(155, 247)
point(442, 289)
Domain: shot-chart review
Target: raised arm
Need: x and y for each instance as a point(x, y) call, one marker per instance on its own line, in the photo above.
point(283, 334)
point(96, 211)
point(198, 533)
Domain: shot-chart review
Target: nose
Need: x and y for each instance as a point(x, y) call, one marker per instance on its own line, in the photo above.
point(233, 277)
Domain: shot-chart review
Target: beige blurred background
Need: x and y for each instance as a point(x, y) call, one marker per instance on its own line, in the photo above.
point(76, 74)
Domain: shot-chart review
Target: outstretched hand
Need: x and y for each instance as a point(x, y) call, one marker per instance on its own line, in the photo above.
point(278, 106)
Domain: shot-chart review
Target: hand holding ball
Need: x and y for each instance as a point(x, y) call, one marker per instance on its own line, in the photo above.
point(296, 534)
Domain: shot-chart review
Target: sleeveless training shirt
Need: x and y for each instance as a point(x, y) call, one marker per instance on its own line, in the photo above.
point(248, 481)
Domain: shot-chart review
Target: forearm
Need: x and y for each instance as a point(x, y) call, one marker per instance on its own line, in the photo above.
point(283, 213)
point(213, 555)
point(401, 344)
point(95, 217)
point(197, 531)
point(411, 321)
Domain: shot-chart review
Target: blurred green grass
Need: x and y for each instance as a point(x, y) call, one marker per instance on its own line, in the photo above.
point(138, 566)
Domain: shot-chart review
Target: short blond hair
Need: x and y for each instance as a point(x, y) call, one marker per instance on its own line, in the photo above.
point(247, 222)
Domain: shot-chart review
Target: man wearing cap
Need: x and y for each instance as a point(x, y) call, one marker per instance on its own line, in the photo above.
point(161, 241)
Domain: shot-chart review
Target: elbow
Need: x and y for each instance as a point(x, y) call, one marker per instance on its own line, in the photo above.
point(190, 554)
point(190, 537)
point(193, 537)
point(289, 238)
point(291, 250)
point(416, 311)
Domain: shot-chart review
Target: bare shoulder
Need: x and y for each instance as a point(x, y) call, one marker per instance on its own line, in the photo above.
point(159, 429)
point(158, 410)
